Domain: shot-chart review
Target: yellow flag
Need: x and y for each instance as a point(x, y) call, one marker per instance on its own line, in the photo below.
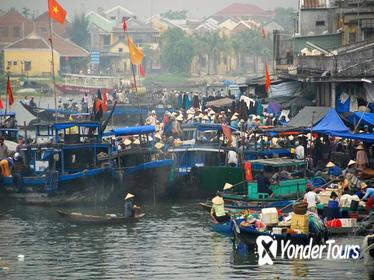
point(136, 54)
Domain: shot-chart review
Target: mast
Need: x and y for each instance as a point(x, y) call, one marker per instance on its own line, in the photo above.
point(53, 67)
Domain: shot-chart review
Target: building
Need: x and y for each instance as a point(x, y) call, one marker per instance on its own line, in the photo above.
point(244, 12)
point(31, 56)
point(13, 26)
point(118, 13)
point(100, 29)
point(41, 26)
point(316, 17)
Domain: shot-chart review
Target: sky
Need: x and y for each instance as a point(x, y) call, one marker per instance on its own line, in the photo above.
point(145, 8)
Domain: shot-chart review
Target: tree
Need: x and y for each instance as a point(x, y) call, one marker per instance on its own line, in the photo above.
point(175, 14)
point(26, 12)
point(285, 17)
point(176, 51)
point(78, 30)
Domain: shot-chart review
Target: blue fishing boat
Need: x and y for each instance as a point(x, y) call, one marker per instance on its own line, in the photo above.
point(66, 163)
point(144, 170)
point(200, 162)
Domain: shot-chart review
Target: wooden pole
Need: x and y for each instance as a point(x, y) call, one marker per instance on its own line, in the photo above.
point(53, 67)
point(6, 96)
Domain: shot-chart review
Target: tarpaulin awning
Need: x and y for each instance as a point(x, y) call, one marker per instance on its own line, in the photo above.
point(364, 137)
point(219, 103)
point(123, 131)
point(307, 116)
point(60, 126)
point(331, 123)
point(285, 89)
point(366, 118)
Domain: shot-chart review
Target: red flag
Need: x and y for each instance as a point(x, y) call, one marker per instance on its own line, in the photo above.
point(104, 103)
point(56, 12)
point(141, 70)
point(9, 92)
point(1, 104)
point(124, 24)
point(267, 78)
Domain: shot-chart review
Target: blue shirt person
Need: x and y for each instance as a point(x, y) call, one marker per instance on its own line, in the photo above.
point(333, 169)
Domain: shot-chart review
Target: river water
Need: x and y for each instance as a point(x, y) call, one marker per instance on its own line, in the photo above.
point(171, 241)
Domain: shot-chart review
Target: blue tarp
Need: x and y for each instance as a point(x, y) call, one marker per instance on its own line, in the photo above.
point(123, 131)
point(8, 114)
point(60, 126)
point(364, 137)
point(367, 118)
point(342, 107)
point(331, 123)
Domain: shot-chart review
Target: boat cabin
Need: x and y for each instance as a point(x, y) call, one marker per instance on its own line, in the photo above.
point(132, 146)
point(202, 145)
point(287, 177)
point(71, 150)
point(8, 126)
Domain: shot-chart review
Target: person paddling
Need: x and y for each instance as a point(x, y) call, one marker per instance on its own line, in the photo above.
point(129, 208)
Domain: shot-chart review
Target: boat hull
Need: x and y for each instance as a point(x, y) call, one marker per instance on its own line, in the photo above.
point(86, 186)
point(149, 180)
point(78, 218)
point(68, 89)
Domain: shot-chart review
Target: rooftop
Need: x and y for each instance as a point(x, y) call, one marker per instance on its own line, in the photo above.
point(240, 9)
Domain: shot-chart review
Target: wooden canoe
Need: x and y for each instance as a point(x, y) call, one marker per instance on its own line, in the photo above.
point(79, 218)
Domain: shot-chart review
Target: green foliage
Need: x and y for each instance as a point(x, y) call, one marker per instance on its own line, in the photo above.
point(176, 51)
point(26, 12)
point(78, 30)
point(175, 14)
point(285, 17)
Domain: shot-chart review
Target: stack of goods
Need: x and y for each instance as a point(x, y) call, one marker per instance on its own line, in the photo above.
point(300, 223)
point(269, 216)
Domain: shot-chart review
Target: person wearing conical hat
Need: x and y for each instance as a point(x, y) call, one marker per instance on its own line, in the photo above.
point(217, 212)
point(333, 169)
point(362, 160)
point(368, 196)
point(351, 181)
point(129, 208)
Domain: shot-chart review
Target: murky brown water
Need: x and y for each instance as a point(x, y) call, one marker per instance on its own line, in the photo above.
point(171, 241)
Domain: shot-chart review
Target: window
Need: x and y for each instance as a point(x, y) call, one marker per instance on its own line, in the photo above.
point(9, 63)
point(121, 37)
point(320, 23)
point(120, 49)
point(27, 65)
point(4, 31)
point(14, 63)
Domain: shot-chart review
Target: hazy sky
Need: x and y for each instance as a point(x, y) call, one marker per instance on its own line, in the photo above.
point(144, 8)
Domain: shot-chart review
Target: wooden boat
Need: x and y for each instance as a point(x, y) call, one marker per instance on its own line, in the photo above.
point(109, 219)
point(200, 163)
point(144, 173)
point(65, 162)
point(289, 189)
point(248, 236)
point(49, 115)
point(237, 205)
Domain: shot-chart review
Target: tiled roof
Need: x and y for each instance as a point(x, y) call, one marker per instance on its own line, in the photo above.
point(239, 9)
point(12, 17)
point(62, 46)
point(67, 48)
point(33, 41)
point(134, 25)
point(100, 21)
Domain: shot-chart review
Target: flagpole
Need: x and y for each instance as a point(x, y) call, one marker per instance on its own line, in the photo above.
point(53, 67)
point(6, 95)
